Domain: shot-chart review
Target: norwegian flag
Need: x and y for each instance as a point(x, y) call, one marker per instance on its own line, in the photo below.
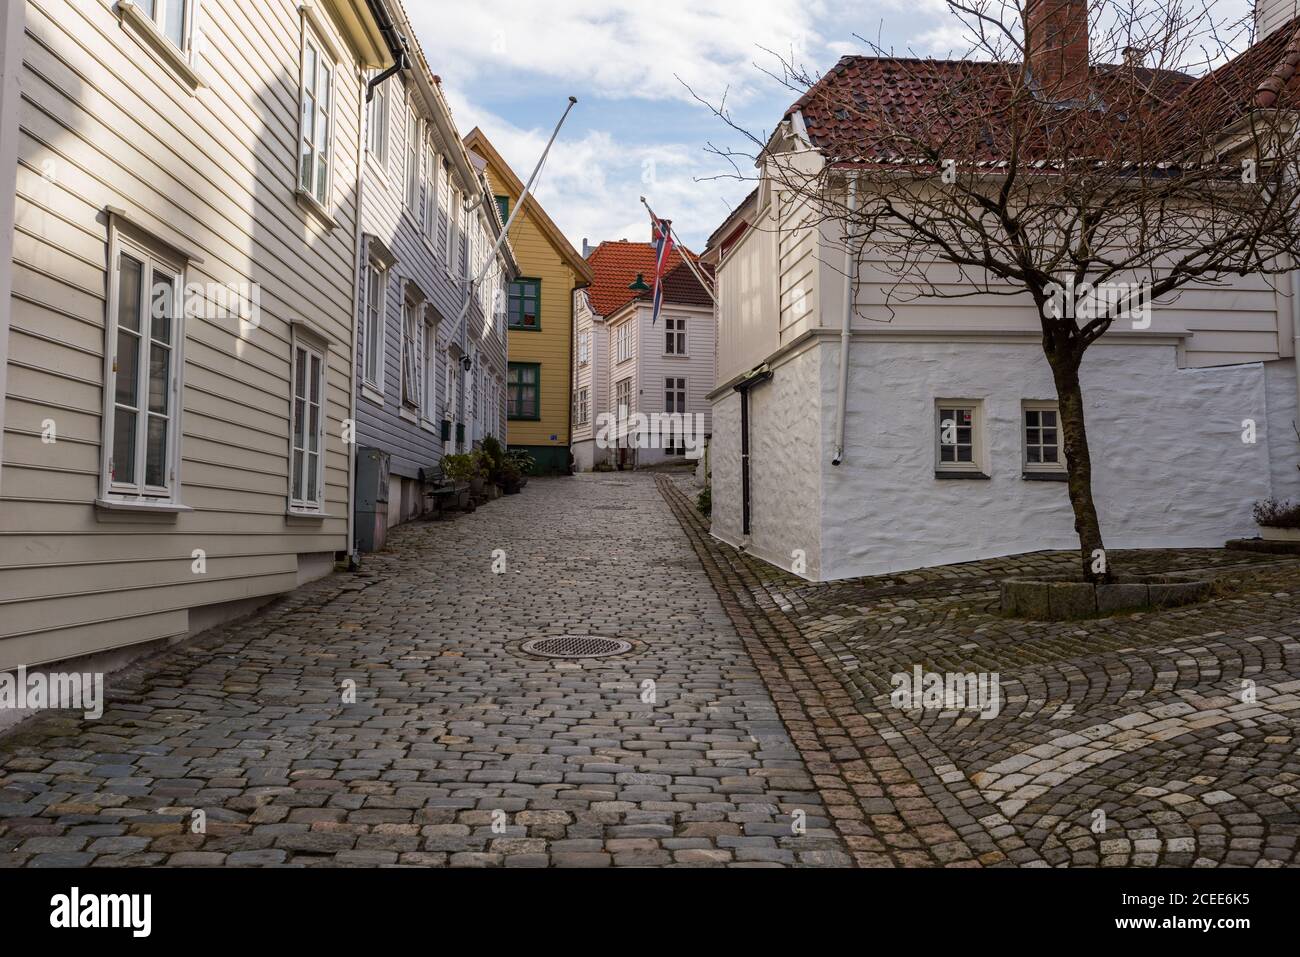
point(663, 240)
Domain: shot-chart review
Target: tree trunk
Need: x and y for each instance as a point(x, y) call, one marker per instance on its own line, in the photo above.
point(1078, 463)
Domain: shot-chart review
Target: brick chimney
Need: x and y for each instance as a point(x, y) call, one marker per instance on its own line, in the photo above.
point(1057, 44)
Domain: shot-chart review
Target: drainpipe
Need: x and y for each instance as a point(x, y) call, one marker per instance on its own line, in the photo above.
point(1295, 332)
point(846, 333)
point(358, 244)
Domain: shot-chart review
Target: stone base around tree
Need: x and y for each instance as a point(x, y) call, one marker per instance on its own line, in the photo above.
point(1268, 546)
point(1063, 600)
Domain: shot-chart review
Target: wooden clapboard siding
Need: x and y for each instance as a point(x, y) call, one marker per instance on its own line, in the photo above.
point(544, 254)
point(105, 123)
point(697, 366)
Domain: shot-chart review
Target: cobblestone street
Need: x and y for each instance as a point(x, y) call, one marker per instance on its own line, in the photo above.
point(1119, 741)
point(453, 729)
point(750, 724)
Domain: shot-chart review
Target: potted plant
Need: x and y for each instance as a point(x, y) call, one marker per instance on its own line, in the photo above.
point(523, 464)
point(511, 480)
point(1278, 521)
point(493, 458)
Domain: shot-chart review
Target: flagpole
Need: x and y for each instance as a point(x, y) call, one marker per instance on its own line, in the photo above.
point(686, 258)
point(505, 230)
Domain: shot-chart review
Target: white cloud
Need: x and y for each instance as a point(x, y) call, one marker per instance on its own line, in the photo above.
point(591, 185)
point(620, 48)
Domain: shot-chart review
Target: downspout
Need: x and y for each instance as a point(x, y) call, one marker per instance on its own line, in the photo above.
point(846, 330)
point(358, 242)
point(1295, 333)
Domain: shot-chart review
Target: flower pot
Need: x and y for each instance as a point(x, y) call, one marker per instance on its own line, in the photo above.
point(1271, 534)
point(476, 486)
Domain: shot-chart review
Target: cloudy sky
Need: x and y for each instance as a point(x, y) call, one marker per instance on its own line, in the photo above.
point(637, 68)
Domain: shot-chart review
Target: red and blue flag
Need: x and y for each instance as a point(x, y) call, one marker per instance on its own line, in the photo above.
point(663, 239)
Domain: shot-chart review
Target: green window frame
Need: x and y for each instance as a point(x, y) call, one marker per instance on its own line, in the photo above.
point(524, 391)
point(503, 207)
point(525, 304)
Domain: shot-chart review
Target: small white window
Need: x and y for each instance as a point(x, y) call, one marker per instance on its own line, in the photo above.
point(623, 341)
point(623, 397)
point(674, 394)
point(145, 329)
point(1041, 434)
point(377, 141)
point(959, 445)
point(411, 342)
point(451, 236)
point(674, 337)
point(373, 289)
point(306, 493)
point(315, 131)
point(174, 19)
point(432, 175)
point(452, 401)
point(584, 348)
point(412, 161)
point(429, 359)
point(582, 407)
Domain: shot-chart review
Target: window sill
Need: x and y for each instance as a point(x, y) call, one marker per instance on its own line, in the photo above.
point(371, 394)
point(675, 355)
point(297, 516)
point(408, 415)
point(125, 510)
point(175, 59)
point(524, 328)
point(310, 203)
point(430, 426)
point(960, 474)
point(1044, 476)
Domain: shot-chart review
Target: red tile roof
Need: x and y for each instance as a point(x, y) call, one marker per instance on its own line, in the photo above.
point(616, 266)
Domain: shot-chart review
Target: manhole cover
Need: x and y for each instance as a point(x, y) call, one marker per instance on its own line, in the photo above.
point(575, 646)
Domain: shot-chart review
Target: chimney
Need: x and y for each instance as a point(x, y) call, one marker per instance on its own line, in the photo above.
point(1133, 57)
point(1057, 46)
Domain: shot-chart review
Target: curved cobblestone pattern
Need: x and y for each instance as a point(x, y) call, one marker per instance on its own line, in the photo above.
point(458, 751)
point(1118, 741)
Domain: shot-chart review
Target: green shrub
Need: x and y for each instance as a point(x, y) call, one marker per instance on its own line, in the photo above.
point(461, 467)
point(521, 460)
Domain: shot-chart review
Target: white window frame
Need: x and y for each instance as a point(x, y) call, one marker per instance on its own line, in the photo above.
point(410, 352)
point(450, 230)
point(450, 407)
point(412, 154)
point(374, 338)
point(584, 347)
point(432, 190)
point(976, 408)
point(681, 392)
point(301, 504)
point(377, 138)
point(326, 58)
point(624, 350)
point(582, 410)
point(153, 261)
point(675, 332)
point(1048, 468)
point(429, 367)
point(620, 408)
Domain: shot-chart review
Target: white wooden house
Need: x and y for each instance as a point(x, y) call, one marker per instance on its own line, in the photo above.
point(1168, 406)
point(180, 343)
point(625, 365)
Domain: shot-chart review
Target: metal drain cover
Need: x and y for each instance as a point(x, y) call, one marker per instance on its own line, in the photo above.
point(575, 646)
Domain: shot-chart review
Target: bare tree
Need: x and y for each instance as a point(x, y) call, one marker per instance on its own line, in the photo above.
point(1096, 167)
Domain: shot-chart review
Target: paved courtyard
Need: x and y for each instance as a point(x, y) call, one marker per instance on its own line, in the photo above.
point(459, 750)
point(1161, 738)
point(751, 724)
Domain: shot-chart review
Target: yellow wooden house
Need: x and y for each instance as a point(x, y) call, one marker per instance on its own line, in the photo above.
point(540, 318)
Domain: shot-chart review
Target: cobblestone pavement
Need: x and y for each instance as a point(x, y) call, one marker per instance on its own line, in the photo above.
point(1125, 740)
point(458, 749)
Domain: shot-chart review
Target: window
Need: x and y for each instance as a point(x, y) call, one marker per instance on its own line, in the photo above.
point(377, 142)
point(674, 337)
point(1042, 438)
point(522, 388)
point(410, 353)
point(674, 394)
point(582, 407)
point(314, 126)
point(429, 358)
point(433, 173)
point(675, 401)
point(452, 406)
point(623, 342)
point(143, 381)
point(584, 348)
point(451, 234)
point(308, 424)
point(623, 397)
point(412, 160)
point(526, 304)
point(372, 372)
point(172, 17)
point(957, 425)
point(503, 207)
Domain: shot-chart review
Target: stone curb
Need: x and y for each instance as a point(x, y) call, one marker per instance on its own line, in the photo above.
point(1066, 600)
